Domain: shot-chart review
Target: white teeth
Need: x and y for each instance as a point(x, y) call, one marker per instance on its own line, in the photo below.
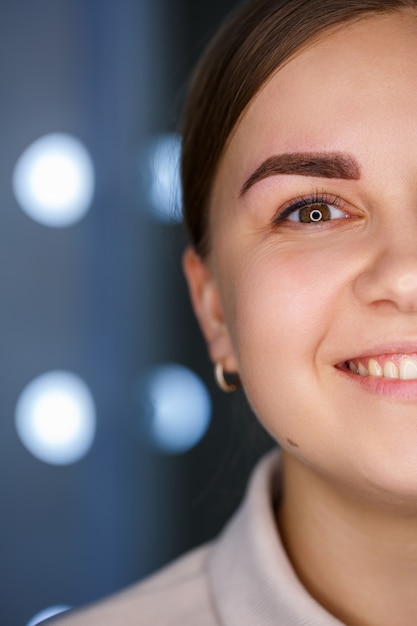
point(374, 368)
point(391, 370)
point(408, 369)
point(362, 370)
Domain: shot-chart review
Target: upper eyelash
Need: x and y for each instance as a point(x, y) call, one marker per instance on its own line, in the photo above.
point(316, 198)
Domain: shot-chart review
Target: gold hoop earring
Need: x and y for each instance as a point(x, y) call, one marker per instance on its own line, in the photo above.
point(222, 382)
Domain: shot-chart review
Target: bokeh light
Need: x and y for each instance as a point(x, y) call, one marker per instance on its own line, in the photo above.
point(175, 406)
point(56, 418)
point(47, 613)
point(53, 180)
point(164, 184)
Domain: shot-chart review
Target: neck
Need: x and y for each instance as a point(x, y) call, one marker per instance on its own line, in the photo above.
point(357, 560)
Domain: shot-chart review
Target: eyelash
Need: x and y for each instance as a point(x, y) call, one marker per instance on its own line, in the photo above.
point(316, 198)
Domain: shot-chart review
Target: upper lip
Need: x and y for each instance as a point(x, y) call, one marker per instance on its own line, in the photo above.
point(386, 348)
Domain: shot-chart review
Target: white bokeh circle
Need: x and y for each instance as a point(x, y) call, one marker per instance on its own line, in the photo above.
point(56, 417)
point(47, 613)
point(176, 407)
point(164, 190)
point(53, 180)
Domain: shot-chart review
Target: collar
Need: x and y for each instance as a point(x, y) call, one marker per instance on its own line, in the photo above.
point(252, 581)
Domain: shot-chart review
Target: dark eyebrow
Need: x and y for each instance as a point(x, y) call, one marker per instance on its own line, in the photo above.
point(319, 164)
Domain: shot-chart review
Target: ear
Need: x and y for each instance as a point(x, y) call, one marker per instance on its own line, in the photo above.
point(207, 306)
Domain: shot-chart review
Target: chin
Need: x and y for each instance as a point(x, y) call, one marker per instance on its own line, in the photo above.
point(388, 476)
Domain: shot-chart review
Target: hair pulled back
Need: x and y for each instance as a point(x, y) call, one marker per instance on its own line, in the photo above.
point(256, 40)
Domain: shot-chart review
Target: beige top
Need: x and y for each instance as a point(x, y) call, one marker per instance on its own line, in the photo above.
point(243, 578)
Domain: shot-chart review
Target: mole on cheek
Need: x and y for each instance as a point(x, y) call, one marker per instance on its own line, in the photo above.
point(292, 443)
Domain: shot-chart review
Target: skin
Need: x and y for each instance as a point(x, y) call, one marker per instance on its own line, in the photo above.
point(285, 304)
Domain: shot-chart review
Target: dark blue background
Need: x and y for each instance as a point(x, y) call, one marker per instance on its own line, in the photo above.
point(103, 298)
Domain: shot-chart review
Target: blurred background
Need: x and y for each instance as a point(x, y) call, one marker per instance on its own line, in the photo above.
point(117, 450)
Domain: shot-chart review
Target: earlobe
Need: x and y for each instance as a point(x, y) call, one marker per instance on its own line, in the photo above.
point(206, 301)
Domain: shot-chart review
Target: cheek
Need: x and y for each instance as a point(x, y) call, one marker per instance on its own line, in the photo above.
point(285, 305)
point(284, 298)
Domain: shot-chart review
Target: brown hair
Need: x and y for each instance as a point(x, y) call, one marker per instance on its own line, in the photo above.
point(256, 39)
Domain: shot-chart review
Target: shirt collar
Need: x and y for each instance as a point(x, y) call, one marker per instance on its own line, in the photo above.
point(252, 581)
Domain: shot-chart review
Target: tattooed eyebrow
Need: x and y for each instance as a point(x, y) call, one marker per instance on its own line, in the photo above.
point(317, 164)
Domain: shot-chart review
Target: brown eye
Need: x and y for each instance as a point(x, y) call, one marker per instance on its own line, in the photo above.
point(314, 213)
point(313, 210)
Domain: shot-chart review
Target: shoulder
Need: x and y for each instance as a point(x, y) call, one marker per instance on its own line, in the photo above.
point(178, 595)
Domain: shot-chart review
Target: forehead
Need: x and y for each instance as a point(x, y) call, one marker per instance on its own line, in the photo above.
point(330, 92)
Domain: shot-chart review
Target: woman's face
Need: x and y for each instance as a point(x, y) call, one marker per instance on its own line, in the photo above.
point(314, 256)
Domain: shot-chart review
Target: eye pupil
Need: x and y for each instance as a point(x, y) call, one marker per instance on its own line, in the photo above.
point(311, 214)
point(316, 215)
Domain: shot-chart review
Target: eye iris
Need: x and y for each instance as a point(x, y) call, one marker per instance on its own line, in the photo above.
point(317, 213)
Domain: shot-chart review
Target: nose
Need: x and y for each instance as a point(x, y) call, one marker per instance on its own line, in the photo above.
point(390, 276)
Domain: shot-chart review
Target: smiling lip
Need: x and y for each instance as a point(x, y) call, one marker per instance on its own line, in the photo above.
point(391, 372)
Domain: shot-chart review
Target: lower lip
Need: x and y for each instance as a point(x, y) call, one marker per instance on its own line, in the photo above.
point(389, 387)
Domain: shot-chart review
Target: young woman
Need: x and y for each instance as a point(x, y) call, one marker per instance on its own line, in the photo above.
point(300, 195)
